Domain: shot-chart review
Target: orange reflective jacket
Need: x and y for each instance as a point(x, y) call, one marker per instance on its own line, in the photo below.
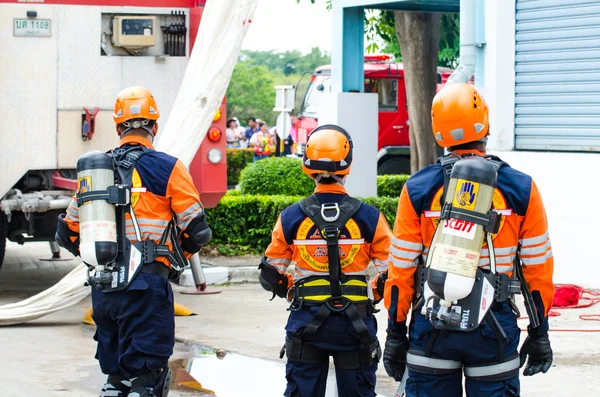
point(365, 238)
point(162, 190)
point(523, 227)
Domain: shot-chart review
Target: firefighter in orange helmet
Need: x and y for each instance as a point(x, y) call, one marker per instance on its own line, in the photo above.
point(135, 327)
point(332, 238)
point(436, 357)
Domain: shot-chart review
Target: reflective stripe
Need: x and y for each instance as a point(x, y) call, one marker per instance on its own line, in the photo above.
point(407, 244)
point(302, 273)
point(380, 265)
point(499, 251)
point(433, 214)
point(495, 369)
point(149, 222)
point(184, 223)
point(403, 264)
point(499, 260)
point(540, 249)
point(534, 240)
point(284, 261)
point(404, 254)
point(318, 241)
point(71, 216)
point(138, 190)
point(188, 211)
point(537, 260)
point(501, 269)
point(146, 229)
point(434, 363)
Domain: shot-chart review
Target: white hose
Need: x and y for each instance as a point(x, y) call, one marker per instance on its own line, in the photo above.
point(69, 291)
point(218, 43)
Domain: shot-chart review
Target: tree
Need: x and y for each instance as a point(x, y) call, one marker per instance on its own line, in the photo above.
point(419, 35)
point(415, 38)
point(250, 92)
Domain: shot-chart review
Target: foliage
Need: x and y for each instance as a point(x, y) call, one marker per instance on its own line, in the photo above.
point(288, 62)
point(243, 224)
point(382, 25)
point(250, 92)
point(276, 175)
point(390, 185)
point(237, 159)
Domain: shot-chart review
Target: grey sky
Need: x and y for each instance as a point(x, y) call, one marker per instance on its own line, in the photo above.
point(284, 25)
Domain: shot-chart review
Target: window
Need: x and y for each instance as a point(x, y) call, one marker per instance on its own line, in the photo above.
point(387, 92)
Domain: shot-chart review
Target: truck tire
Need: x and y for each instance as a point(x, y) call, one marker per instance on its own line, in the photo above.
point(3, 232)
point(394, 165)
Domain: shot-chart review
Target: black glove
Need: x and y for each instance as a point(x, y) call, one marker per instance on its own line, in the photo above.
point(394, 355)
point(540, 354)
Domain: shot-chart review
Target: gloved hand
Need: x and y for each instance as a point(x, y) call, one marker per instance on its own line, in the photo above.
point(394, 355)
point(540, 354)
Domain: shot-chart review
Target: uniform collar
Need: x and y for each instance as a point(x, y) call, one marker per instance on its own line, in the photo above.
point(136, 140)
point(335, 188)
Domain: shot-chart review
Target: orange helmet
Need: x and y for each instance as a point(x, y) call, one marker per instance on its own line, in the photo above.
point(328, 151)
point(136, 108)
point(459, 115)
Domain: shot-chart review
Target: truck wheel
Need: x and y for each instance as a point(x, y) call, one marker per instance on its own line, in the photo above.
point(3, 232)
point(394, 165)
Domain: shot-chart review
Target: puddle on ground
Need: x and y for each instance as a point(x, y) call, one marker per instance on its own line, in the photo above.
point(223, 374)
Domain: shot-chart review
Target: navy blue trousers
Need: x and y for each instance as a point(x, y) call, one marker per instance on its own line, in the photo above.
point(135, 329)
point(335, 334)
point(477, 347)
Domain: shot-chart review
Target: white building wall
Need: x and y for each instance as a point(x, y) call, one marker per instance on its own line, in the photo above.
point(566, 180)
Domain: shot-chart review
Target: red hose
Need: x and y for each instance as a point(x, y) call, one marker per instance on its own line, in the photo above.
point(568, 296)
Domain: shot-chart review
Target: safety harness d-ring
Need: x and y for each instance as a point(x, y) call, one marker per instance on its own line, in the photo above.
point(330, 207)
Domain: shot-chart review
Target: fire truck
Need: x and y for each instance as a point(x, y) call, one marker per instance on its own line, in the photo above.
point(63, 63)
point(386, 79)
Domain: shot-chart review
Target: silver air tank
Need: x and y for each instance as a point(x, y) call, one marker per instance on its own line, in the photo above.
point(97, 218)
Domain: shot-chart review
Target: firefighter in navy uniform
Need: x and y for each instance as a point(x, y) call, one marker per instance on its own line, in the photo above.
point(521, 250)
point(332, 238)
point(136, 326)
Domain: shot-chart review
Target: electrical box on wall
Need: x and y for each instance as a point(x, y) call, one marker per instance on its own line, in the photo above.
point(134, 32)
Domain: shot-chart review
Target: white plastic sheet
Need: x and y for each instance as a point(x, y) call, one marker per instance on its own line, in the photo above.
point(222, 30)
point(220, 37)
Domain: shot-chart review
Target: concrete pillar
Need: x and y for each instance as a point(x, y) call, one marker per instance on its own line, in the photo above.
point(357, 114)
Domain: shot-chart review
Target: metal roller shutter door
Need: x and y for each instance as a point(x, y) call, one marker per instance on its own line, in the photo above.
point(557, 90)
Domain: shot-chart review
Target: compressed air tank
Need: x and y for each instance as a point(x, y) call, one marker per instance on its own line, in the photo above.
point(97, 218)
point(457, 247)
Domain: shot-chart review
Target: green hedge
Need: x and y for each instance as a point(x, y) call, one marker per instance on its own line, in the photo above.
point(237, 159)
point(390, 185)
point(285, 176)
point(243, 224)
point(276, 175)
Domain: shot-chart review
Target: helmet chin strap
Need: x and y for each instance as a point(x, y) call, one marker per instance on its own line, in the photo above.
point(338, 179)
point(135, 124)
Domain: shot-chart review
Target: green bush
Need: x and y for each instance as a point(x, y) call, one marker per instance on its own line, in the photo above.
point(243, 224)
point(276, 175)
point(390, 185)
point(237, 159)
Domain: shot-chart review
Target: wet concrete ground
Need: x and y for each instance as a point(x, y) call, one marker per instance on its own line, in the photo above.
point(54, 355)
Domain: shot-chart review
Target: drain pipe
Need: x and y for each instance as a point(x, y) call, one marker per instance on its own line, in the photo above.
point(466, 68)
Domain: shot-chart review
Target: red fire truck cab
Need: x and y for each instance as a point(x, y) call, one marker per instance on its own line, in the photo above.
point(386, 79)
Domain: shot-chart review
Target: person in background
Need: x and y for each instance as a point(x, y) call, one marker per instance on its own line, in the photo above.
point(252, 128)
point(285, 148)
point(294, 130)
point(260, 142)
point(240, 129)
point(232, 134)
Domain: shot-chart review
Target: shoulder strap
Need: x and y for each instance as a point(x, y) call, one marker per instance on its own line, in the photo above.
point(125, 160)
point(330, 219)
point(447, 162)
